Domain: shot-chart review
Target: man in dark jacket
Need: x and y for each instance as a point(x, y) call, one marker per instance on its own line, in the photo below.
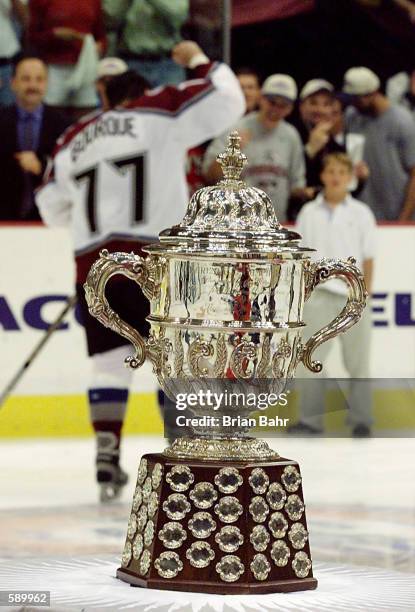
point(28, 133)
point(314, 124)
point(315, 127)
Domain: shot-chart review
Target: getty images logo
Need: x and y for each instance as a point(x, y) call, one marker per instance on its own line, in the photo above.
point(388, 309)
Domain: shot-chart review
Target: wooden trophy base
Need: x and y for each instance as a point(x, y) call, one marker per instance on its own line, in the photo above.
point(227, 527)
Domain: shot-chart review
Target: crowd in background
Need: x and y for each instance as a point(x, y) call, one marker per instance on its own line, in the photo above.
point(70, 37)
point(286, 141)
point(285, 133)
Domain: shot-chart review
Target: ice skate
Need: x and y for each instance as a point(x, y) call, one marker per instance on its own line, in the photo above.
point(111, 480)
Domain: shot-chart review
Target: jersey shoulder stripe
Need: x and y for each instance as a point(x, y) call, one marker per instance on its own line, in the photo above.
point(167, 107)
point(172, 100)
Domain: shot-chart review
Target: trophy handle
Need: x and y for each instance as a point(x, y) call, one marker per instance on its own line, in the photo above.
point(144, 272)
point(320, 272)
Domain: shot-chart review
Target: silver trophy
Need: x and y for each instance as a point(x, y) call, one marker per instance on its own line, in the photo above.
point(219, 511)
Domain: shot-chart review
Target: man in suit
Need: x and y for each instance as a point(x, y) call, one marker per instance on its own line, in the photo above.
point(28, 133)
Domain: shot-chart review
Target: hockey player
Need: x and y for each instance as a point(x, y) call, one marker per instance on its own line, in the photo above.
point(117, 180)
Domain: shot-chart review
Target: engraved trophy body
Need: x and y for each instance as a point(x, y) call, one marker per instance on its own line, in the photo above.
point(222, 512)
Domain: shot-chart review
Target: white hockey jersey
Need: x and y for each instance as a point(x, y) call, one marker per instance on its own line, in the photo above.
point(119, 176)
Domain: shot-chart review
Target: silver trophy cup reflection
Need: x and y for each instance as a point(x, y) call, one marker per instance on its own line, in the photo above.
point(220, 511)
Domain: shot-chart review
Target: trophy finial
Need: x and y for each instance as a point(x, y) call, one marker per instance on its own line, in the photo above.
point(232, 159)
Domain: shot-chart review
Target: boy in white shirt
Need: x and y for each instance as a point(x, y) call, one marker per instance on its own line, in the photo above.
point(338, 226)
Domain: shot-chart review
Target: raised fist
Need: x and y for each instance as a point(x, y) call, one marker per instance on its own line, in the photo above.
point(184, 51)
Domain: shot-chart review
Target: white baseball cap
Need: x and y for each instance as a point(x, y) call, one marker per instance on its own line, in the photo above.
point(280, 85)
point(314, 86)
point(360, 81)
point(111, 66)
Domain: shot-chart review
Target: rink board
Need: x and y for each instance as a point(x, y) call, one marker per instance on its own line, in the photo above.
point(49, 400)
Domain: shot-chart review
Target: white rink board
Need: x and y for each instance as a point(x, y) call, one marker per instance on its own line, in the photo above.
point(37, 265)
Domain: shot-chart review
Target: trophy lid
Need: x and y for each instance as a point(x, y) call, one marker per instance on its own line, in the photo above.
point(230, 216)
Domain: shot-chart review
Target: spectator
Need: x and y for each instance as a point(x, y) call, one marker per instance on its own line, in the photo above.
point(249, 82)
point(353, 143)
point(400, 90)
point(29, 130)
point(108, 68)
point(315, 124)
point(57, 29)
point(149, 31)
point(273, 146)
point(337, 225)
point(389, 151)
point(9, 44)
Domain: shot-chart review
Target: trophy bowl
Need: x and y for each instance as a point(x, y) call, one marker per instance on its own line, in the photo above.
point(226, 288)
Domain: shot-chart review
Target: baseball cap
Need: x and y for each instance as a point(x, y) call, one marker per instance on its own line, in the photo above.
point(111, 66)
point(360, 81)
point(280, 85)
point(314, 86)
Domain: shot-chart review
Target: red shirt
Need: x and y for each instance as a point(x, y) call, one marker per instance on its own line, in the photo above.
point(194, 175)
point(84, 16)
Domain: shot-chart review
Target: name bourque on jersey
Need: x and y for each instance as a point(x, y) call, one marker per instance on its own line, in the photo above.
point(120, 175)
point(104, 126)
